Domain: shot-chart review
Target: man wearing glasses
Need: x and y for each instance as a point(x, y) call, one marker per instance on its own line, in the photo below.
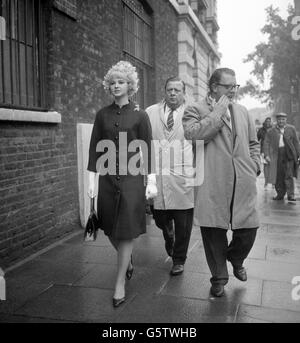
point(227, 197)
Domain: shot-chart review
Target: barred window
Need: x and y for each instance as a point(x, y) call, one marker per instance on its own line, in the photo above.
point(21, 62)
point(138, 44)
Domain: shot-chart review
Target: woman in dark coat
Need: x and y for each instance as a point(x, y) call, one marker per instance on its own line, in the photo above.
point(120, 151)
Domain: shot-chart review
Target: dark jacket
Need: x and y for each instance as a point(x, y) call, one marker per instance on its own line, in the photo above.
point(261, 134)
point(271, 145)
point(121, 198)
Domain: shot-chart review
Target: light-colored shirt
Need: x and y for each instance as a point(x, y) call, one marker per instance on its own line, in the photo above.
point(281, 142)
point(175, 112)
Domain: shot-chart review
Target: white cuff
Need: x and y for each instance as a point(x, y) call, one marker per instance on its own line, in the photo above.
point(151, 179)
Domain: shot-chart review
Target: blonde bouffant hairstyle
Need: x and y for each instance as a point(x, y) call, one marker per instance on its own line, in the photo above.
point(125, 70)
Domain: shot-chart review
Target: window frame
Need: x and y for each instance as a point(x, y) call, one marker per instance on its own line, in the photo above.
point(36, 71)
point(144, 64)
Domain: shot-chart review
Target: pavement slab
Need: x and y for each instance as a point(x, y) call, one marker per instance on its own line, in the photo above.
point(259, 314)
point(279, 295)
point(289, 241)
point(283, 254)
point(293, 230)
point(144, 280)
point(18, 294)
point(271, 270)
point(73, 281)
point(81, 253)
point(79, 304)
point(156, 309)
point(49, 272)
point(8, 318)
point(197, 286)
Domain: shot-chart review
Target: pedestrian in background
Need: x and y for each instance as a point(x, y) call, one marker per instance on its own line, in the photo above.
point(261, 133)
point(121, 195)
point(282, 152)
point(227, 197)
point(173, 206)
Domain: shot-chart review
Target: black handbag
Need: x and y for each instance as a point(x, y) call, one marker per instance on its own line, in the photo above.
point(92, 225)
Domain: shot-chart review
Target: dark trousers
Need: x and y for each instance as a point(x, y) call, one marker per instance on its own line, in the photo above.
point(217, 250)
point(180, 230)
point(284, 179)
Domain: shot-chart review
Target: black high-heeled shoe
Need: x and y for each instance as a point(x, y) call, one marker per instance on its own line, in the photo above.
point(129, 272)
point(118, 302)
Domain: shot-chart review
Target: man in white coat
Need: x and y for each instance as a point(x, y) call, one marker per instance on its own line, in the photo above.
point(227, 197)
point(173, 206)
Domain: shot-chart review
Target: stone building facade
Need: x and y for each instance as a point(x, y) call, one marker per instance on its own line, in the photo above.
point(52, 63)
point(197, 42)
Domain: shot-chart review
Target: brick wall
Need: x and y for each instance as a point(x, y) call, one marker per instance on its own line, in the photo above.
point(38, 162)
point(37, 189)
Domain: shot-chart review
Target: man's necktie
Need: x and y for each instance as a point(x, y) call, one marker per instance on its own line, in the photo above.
point(170, 121)
point(232, 123)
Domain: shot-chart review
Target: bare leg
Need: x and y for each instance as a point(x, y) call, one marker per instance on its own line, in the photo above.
point(115, 244)
point(124, 255)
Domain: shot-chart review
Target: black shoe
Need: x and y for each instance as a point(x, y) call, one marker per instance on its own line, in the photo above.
point(129, 272)
point(217, 290)
point(177, 269)
point(118, 302)
point(240, 273)
point(277, 198)
point(291, 199)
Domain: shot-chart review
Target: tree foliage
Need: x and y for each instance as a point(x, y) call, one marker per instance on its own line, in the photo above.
point(278, 57)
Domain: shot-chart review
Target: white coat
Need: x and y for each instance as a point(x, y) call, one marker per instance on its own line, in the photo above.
point(174, 161)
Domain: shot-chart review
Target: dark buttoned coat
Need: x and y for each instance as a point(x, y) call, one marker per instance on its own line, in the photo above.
point(121, 194)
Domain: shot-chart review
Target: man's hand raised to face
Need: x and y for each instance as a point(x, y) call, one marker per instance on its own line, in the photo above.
point(222, 105)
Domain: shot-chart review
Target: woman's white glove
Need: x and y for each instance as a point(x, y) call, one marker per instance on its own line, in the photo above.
point(151, 189)
point(92, 182)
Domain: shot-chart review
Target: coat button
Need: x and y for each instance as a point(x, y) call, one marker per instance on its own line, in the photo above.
point(118, 191)
point(118, 112)
point(118, 178)
point(117, 138)
point(116, 124)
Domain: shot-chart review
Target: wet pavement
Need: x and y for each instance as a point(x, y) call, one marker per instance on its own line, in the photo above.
point(73, 281)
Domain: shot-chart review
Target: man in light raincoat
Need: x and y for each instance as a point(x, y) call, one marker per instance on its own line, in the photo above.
point(227, 197)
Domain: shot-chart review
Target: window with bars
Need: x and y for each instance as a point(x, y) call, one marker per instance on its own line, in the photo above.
point(137, 45)
point(21, 57)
